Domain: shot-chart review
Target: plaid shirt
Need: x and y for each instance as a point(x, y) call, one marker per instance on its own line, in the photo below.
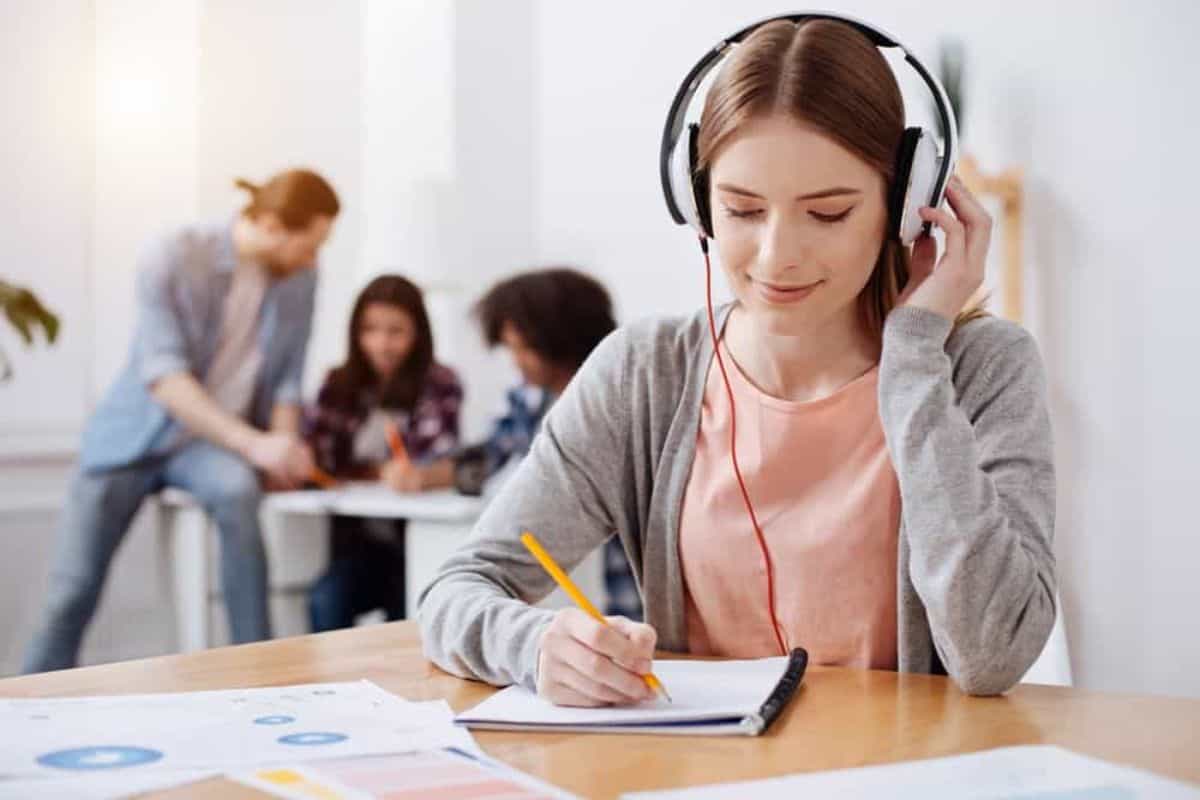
point(512, 434)
point(429, 432)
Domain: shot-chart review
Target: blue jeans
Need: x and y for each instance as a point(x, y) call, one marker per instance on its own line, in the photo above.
point(98, 511)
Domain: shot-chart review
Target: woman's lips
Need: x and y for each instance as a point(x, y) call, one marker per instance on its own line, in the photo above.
point(782, 293)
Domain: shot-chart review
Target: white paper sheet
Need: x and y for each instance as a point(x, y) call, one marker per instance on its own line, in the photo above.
point(138, 734)
point(441, 773)
point(98, 787)
point(1009, 773)
point(701, 690)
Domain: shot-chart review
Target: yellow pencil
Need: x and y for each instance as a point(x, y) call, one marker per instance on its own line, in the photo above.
point(568, 586)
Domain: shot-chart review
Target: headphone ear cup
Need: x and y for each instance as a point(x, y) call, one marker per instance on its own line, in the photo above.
point(699, 179)
point(916, 179)
point(680, 173)
point(899, 189)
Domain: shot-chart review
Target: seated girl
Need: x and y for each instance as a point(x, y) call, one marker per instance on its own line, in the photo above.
point(389, 379)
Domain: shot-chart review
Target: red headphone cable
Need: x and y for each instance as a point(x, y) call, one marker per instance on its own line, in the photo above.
point(737, 471)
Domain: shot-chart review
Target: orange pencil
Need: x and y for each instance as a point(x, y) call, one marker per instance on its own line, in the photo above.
point(395, 442)
point(322, 478)
point(567, 585)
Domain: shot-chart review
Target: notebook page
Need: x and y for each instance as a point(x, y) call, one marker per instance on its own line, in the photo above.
point(701, 690)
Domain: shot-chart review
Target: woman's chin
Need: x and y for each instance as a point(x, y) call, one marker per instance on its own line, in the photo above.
point(384, 371)
point(779, 320)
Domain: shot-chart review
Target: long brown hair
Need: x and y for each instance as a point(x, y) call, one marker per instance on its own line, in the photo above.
point(355, 380)
point(831, 77)
point(295, 196)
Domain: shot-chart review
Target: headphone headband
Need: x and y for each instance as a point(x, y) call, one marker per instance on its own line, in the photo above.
point(677, 116)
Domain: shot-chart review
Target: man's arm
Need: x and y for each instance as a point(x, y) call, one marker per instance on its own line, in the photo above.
point(279, 452)
point(187, 401)
point(285, 418)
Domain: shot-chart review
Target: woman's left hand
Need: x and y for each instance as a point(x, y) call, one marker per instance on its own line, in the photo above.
point(945, 288)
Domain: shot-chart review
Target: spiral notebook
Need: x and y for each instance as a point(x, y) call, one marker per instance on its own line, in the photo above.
point(711, 698)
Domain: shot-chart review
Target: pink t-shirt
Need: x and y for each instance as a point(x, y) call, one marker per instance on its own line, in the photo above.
point(828, 502)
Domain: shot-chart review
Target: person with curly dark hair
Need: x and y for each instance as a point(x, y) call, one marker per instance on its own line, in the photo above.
point(549, 320)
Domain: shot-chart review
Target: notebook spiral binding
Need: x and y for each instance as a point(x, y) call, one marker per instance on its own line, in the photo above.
point(757, 724)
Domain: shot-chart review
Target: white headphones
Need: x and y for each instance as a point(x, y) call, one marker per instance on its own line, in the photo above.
point(921, 172)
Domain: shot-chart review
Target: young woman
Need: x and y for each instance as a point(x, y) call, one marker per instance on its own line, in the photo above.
point(389, 379)
point(886, 497)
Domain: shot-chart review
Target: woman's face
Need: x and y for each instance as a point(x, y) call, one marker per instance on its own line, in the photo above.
point(798, 222)
point(386, 334)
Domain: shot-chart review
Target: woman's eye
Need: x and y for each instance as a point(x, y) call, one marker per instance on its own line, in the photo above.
point(831, 218)
point(742, 213)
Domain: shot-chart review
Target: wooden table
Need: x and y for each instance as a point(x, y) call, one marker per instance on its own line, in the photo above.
point(841, 718)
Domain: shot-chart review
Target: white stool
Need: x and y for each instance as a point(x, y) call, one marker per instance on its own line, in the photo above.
point(297, 552)
point(183, 530)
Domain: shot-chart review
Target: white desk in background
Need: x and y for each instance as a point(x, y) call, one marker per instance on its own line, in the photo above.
point(438, 522)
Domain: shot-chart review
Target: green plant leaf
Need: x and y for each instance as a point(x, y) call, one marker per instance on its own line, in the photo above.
point(25, 312)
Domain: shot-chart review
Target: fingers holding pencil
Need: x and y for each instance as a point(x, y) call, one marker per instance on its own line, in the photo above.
point(396, 443)
point(588, 659)
point(583, 662)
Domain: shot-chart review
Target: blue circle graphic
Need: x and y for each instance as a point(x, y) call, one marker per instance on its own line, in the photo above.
point(277, 719)
point(99, 758)
point(310, 739)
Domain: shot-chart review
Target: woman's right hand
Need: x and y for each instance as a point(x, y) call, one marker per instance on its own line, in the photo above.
point(584, 663)
point(401, 475)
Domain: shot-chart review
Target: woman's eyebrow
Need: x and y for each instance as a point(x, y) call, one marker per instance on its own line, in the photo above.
point(833, 191)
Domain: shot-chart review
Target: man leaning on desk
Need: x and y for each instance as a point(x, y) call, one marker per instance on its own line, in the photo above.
point(209, 399)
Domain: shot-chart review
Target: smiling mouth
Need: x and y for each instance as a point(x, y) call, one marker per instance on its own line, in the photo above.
point(780, 293)
point(781, 288)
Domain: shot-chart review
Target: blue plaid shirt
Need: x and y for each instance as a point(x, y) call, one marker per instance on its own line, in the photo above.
point(512, 435)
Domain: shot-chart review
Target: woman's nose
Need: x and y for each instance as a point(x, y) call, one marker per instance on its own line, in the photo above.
point(784, 244)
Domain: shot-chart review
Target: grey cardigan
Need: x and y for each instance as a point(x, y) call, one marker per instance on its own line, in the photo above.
point(965, 417)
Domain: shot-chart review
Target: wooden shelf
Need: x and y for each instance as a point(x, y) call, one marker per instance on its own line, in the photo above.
point(1007, 186)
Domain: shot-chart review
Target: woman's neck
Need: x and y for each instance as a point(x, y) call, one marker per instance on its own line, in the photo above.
point(800, 367)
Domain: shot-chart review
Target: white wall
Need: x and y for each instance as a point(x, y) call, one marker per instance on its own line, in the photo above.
point(281, 86)
point(47, 163)
point(1095, 102)
point(146, 91)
